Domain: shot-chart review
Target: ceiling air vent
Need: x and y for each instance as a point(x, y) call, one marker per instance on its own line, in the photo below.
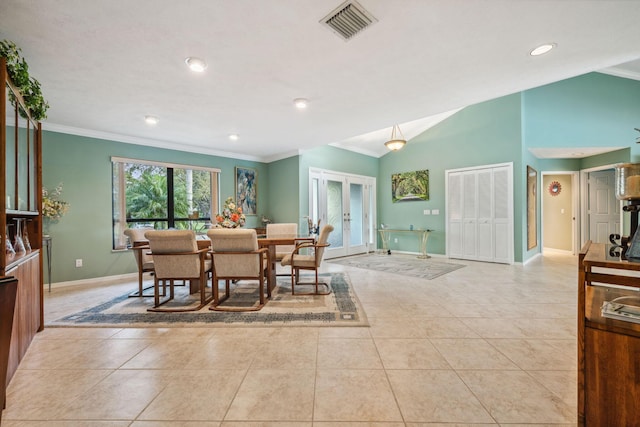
point(348, 19)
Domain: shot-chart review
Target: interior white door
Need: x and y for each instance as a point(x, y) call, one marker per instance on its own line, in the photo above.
point(603, 207)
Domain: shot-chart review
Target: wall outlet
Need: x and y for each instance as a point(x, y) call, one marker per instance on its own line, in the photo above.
point(427, 212)
point(436, 211)
point(78, 263)
point(395, 240)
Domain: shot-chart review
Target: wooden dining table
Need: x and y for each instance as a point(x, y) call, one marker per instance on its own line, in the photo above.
point(270, 243)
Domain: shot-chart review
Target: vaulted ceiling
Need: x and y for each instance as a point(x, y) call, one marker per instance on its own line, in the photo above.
point(105, 65)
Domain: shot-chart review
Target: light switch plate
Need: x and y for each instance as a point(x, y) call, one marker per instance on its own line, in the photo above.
point(436, 211)
point(427, 212)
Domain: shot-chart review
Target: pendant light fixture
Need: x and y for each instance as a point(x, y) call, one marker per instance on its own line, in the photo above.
point(397, 140)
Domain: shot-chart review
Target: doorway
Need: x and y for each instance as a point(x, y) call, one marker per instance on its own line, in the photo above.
point(348, 203)
point(601, 213)
point(559, 203)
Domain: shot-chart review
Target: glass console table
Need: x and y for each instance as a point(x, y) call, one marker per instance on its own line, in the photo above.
point(423, 236)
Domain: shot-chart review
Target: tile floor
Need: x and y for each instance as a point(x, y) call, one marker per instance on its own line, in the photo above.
point(485, 345)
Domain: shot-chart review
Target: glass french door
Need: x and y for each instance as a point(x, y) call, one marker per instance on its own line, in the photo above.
point(346, 202)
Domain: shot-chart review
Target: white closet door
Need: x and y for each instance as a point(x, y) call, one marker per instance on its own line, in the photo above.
point(454, 215)
point(469, 215)
point(485, 215)
point(502, 220)
point(480, 214)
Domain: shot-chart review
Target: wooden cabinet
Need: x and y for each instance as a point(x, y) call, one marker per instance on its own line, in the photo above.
point(20, 201)
point(608, 349)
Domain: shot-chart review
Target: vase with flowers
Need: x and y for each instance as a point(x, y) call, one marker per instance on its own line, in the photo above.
point(53, 207)
point(231, 215)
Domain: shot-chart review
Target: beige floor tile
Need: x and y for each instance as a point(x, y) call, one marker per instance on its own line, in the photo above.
point(527, 313)
point(436, 396)
point(295, 350)
point(348, 353)
point(471, 354)
point(43, 394)
point(539, 354)
point(274, 394)
point(122, 395)
point(563, 384)
point(445, 327)
point(354, 395)
point(514, 396)
point(389, 327)
point(50, 423)
point(410, 353)
point(451, 425)
point(208, 396)
point(266, 424)
point(175, 424)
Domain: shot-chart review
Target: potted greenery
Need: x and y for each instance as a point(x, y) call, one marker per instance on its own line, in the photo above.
point(29, 87)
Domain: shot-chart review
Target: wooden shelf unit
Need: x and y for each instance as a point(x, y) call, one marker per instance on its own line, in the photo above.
point(20, 200)
point(608, 349)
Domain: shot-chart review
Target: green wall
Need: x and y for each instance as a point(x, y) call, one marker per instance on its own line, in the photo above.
point(482, 134)
point(284, 198)
point(83, 166)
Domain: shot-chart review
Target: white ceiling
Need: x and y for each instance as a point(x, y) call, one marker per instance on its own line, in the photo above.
point(104, 65)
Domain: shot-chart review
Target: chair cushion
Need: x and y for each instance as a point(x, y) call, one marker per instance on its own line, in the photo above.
point(303, 261)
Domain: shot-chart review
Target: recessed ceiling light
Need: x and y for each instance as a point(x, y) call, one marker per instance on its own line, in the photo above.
point(301, 103)
point(151, 120)
point(542, 49)
point(196, 64)
point(234, 137)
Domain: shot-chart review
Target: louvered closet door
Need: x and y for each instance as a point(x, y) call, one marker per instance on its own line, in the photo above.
point(480, 214)
point(502, 219)
point(469, 215)
point(484, 229)
point(454, 215)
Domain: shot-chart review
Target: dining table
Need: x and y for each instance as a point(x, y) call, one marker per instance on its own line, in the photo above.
point(266, 242)
point(270, 243)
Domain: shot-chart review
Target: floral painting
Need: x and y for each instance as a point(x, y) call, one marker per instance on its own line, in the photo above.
point(246, 190)
point(410, 186)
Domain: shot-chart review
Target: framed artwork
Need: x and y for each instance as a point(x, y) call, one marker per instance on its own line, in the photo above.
point(410, 186)
point(532, 225)
point(246, 190)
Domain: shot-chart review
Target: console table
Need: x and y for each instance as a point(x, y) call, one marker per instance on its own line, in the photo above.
point(423, 236)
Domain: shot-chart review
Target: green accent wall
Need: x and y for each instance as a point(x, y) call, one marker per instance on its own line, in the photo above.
point(83, 166)
point(283, 185)
point(482, 134)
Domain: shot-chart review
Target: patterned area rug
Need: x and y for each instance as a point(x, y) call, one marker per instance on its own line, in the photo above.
point(340, 308)
point(407, 265)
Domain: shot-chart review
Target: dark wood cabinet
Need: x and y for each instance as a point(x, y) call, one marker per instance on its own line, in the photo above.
point(608, 349)
point(20, 201)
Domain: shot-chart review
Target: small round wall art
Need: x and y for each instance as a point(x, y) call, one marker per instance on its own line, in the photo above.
point(555, 188)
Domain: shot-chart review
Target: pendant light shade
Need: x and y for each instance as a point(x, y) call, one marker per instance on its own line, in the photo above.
point(397, 140)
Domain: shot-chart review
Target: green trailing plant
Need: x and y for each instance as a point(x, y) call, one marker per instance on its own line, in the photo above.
point(29, 87)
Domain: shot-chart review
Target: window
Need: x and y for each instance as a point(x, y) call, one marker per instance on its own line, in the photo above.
point(161, 195)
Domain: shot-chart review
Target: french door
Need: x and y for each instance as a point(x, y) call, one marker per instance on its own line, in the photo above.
point(346, 202)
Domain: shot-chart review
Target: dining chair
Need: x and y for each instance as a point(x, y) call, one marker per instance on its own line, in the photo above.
point(282, 230)
point(139, 245)
point(309, 261)
point(177, 257)
point(236, 256)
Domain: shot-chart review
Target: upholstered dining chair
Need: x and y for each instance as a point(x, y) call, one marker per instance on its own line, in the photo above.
point(300, 261)
point(140, 247)
point(176, 257)
point(282, 230)
point(236, 256)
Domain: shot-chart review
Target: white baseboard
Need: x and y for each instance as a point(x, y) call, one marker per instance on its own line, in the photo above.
point(106, 280)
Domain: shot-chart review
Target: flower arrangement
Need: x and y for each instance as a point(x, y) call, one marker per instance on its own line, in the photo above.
point(53, 207)
point(231, 216)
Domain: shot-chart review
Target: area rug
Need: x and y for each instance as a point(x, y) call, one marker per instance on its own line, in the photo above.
point(407, 265)
point(340, 308)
